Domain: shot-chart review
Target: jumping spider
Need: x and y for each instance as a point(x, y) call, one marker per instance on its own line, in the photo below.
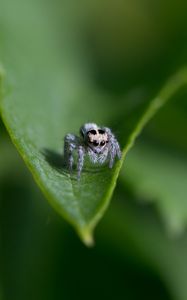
point(99, 143)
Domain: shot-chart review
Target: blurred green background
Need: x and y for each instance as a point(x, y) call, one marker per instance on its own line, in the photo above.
point(124, 51)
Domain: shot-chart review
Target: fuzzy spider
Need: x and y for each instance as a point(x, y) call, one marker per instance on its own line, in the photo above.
point(99, 143)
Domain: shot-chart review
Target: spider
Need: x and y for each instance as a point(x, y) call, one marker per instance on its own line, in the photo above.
point(98, 143)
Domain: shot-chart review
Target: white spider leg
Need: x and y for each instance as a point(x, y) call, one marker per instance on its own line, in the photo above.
point(81, 154)
point(118, 150)
point(70, 143)
point(112, 155)
point(114, 151)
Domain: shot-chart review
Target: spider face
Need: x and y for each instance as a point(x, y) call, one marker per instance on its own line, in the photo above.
point(97, 139)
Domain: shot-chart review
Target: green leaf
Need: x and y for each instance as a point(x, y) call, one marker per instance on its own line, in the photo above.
point(47, 95)
point(160, 177)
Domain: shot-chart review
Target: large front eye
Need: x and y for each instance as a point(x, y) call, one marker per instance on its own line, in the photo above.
point(102, 143)
point(95, 143)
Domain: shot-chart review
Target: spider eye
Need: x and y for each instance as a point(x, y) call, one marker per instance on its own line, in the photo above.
point(92, 131)
point(102, 143)
point(101, 131)
point(95, 143)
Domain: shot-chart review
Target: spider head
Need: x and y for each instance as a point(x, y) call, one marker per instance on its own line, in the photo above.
point(95, 137)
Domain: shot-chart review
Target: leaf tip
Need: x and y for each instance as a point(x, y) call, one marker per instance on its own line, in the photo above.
point(86, 236)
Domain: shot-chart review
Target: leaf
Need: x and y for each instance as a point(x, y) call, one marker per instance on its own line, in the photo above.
point(159, 176)
point(47, 95)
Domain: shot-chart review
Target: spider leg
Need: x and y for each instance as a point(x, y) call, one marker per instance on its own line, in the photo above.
point(118, 150)
point(112, 157)
point(69, 146)
point(114, 151)
point(81, 153)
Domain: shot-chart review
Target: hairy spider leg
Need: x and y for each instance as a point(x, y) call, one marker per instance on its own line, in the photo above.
point(81, 153)
point(118, 151)
point(114, 151)
point(69, 145)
